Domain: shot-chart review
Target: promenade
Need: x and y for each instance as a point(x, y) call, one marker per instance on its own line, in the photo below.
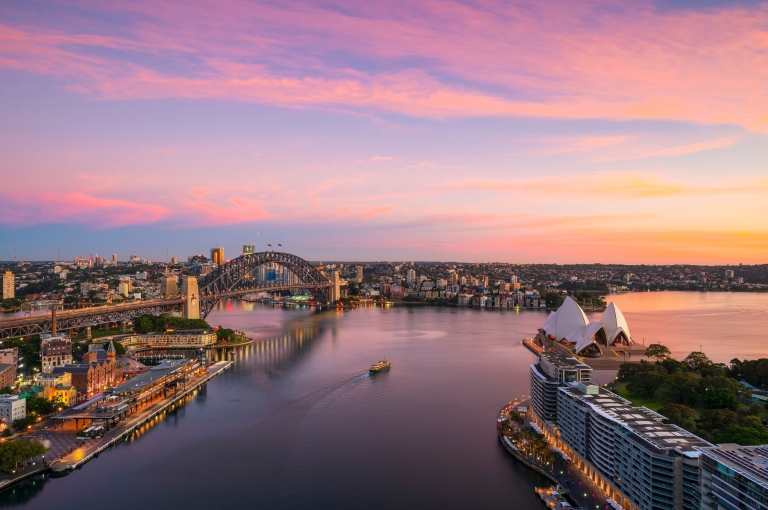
point(581, 491)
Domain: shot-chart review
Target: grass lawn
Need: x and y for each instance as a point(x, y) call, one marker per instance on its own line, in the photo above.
point(654, 403)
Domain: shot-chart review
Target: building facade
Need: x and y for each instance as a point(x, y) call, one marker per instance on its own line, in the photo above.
point(12, 408)
point(217, 256)
point(550, 373)
point(55, 351)
point(629, 452)
point(98, 371)
point(168, 287)
point(191, 339)
point(734, 477)
point(9, 285)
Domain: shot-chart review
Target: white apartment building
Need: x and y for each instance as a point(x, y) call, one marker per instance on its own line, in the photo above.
point(12, 408)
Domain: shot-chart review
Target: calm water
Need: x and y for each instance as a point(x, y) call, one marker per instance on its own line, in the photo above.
point(298, 423)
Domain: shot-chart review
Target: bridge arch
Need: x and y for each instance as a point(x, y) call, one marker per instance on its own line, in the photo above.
point(232, 276)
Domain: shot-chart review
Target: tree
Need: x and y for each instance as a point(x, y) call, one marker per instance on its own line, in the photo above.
point(119, 348)
point(672, 366)
point(681, 388)
point(719, 381)
point(753, 422)
point(696, 360)
point(6, 391)
point(719, 398)
point(628, 370)
point(680, 415)
point(21, 450)
point(646, 383)
point(715, 369)
point(658, 352)
point(715, 421)
point(743, 436)
point(755, 372)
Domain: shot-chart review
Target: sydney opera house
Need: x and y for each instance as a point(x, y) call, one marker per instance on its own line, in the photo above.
point(570, 327)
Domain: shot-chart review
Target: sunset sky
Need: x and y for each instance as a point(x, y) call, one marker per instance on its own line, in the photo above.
point(602, 131)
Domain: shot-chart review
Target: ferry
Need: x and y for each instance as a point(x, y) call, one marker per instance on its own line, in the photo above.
point(381, 366)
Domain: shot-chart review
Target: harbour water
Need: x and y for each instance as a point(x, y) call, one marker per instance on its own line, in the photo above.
point(299, 423)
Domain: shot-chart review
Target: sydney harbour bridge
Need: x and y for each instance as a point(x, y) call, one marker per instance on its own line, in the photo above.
point(198, 296)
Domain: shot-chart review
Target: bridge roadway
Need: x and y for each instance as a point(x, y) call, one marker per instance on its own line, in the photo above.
point(84, 317)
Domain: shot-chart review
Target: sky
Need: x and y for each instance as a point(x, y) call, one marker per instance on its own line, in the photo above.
point(594, 131)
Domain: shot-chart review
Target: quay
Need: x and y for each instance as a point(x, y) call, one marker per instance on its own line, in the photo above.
point(577, 489)
point(130, 423)
point(71, 452)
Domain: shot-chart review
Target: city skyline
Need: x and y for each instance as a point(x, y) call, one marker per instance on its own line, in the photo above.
point(611, 132)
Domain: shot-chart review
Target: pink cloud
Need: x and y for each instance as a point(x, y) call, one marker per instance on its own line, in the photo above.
point(562, 60)
point(33, 208)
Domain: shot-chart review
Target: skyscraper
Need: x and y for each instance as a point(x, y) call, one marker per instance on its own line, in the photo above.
point(9, 285)
point(359, 273)
point(114, 257)
point(410, 276)
point(217, 256)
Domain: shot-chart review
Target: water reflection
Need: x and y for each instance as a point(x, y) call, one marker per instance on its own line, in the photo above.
point(23, 491)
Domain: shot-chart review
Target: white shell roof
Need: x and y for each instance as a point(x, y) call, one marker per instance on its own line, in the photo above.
point(584, 337)
point(614, 322)
point(570, 318)
point(550, 325)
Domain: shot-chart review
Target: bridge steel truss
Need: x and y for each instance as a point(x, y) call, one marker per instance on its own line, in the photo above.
point(234, 278)
point(78, 319)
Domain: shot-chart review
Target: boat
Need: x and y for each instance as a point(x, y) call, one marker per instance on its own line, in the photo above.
point(381, 366)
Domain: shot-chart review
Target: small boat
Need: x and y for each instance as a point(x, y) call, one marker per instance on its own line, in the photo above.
point(381, 366)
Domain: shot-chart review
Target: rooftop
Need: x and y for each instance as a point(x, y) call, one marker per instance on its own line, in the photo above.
point(149, 377)
point(646, 424)
point(750, 461)
point(562, 361)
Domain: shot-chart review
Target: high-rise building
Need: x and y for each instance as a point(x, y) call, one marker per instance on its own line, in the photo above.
point(174, 261)
point(125, 286)
point(729, 273)
point(734, 476)
point(9, 285)
point(114, 257)
point(550, 373)
point(638, 460)
point(410, 276)
point(513, 279)
point(359, 273)
point(217, 256)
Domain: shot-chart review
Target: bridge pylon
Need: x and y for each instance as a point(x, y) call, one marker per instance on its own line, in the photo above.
point(191, 298)
point(336, 288)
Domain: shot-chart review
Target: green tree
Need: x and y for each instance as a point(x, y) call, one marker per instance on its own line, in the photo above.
point(646, 383)
point(19, 451)
point(716, 421)
point(658, 352)
point(672, 366)
point(715, 369)
point(119, 348)
point(743, 436)
point(628, 370)
point(696, 360)
point(6, 391)
point(681, 388)
point(719, 398)
point(680, 415)
point(719, 381)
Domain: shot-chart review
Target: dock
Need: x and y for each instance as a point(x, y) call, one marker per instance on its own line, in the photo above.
point(126, 427)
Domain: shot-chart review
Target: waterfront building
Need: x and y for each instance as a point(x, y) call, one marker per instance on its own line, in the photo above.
point(12, 408)
point(550, 373)
point(190, 339)
point(629, 452)
point(569, 325)
point(734, 477)
point(9, 285)
point(217, 256)
point(55, 351)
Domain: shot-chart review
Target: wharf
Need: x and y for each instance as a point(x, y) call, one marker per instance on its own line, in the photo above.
point(122, 430)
